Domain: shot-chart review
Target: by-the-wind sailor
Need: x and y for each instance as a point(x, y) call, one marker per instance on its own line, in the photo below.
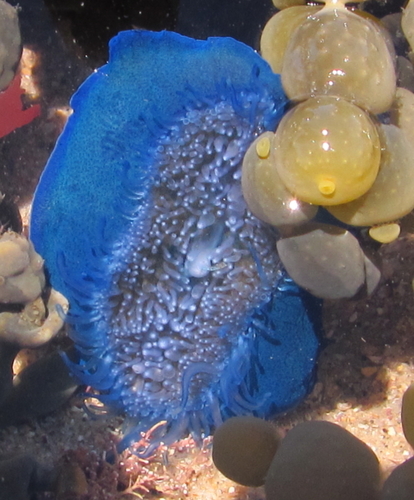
point(175, 288)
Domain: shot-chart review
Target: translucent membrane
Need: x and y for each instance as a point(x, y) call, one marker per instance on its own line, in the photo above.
point(266, 196)
point(392, 194)
point(325, 260)
point(278, 31)
point(336, 52)
point(327, 151)
point(402, 112)
point(407, 23)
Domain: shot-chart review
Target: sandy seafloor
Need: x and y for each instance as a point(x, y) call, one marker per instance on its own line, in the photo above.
point(366, 364)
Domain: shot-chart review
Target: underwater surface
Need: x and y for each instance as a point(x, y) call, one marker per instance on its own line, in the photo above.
point(100, 226)
point(173, 284)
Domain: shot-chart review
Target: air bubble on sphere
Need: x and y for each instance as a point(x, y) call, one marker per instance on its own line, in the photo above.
point(386, 233)
point(325, 260)
point(326, 187)
point(392, 194)
point(263, 147)
point(278, 31)
point(327, 151)
point(407, 415)
point(265, 194)
point(243, 448)
point(336, 52)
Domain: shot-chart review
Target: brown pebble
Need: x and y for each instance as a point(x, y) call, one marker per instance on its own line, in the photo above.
point(400, 484)
point(368, 371)
point(243, 449)
point(322, 461)
point(71, 481)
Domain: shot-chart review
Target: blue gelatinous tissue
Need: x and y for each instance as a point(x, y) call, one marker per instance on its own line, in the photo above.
point(178, 306)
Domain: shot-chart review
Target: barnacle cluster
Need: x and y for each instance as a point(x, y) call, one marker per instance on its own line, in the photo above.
point(347, 144)
point(29, 317)
point(21, 282)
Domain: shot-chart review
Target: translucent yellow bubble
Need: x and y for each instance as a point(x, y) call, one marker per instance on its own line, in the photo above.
point(327, 151)
point(336, 52)
point(264, 192)
point(278, 31)
point(392, 194)
point(385, 233)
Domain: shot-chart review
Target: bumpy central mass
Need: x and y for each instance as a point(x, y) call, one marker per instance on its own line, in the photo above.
point(194, 271)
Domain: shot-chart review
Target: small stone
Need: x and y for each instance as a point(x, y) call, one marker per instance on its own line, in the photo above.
point(71, 482)
point(322, 461)
point(21, 476)
point(400, 484)
point(38, 390)
point(243, 449)
point(368, 371)
point(392, 432)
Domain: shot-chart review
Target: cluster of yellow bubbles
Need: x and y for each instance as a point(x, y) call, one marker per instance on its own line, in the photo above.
point(316, 460)
point(347, 144)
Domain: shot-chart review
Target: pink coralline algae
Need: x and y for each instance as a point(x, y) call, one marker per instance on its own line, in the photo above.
point(12, 113)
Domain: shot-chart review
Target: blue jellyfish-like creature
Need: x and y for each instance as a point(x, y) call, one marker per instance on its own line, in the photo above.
point(179, 309)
